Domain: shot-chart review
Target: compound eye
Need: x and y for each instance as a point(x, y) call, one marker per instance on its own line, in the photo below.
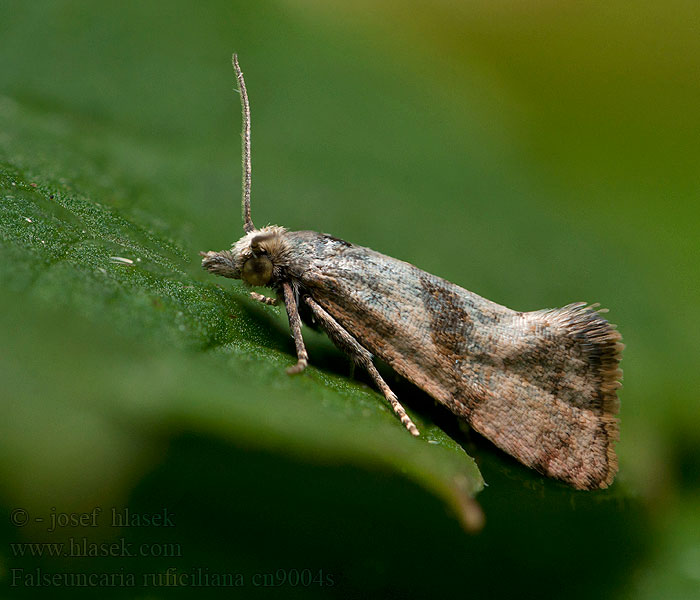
point(257, 271)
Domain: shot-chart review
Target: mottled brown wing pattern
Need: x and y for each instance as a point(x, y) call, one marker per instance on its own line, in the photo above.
point(541, 385)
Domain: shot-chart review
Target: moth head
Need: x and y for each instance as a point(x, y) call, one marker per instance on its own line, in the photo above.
point(257, 258)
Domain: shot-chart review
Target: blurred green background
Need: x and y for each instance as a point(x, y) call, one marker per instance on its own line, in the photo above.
point(534, 153)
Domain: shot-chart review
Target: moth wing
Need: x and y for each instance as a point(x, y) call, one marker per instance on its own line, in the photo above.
point(551, 397)
point(540, 385)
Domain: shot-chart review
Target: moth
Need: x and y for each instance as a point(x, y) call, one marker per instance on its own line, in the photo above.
point(540, 385)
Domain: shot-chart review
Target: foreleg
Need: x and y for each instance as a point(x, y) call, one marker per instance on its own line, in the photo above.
point(263, 299)
point(295, 324)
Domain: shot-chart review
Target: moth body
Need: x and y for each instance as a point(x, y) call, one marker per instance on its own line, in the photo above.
point(541, 385)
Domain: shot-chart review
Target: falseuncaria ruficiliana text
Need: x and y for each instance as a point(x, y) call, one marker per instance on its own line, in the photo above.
point(541, 385)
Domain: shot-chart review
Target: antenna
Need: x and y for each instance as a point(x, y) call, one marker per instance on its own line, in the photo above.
point(245, 107)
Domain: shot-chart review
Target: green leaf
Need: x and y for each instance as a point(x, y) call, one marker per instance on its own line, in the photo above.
point(164, 346)
point(536, 157)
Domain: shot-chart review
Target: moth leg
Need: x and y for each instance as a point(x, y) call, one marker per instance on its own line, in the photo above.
point(263, 299)
point(295, 325)
point(361, 355)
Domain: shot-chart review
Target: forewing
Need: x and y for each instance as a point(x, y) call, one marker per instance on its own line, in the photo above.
point(541, 385)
